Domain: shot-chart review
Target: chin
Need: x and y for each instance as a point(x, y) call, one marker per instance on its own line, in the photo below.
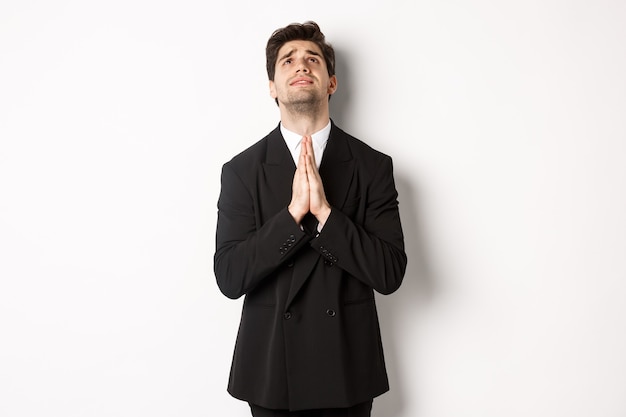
point(305, 97)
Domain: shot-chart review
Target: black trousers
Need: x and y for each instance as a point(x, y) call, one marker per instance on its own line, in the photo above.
point(359, 410)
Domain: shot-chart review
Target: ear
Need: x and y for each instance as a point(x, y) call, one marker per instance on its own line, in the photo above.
point(332, 85)
point(273, 90)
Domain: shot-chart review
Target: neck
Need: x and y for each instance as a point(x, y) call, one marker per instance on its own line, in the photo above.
point(304, 124)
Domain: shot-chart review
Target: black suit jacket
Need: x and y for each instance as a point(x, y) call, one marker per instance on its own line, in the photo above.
point(309, 334)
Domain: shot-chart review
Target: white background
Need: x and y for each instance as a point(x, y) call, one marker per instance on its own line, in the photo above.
point(506, 122)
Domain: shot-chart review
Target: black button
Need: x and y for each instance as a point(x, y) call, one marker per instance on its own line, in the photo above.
point(290, 264)
point(330, 312)
point(287, 315)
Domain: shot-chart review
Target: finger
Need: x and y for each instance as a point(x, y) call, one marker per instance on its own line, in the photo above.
point(302, 159)
point(301, 164)
point(312, 172)
point(303, 145)
point(311, 157)
point(300, 196)
point(309, 146)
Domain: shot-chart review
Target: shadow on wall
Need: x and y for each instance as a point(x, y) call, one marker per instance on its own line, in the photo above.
point(340, 101)
point(396, 310)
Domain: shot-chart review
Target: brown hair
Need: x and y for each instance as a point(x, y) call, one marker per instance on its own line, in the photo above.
point(307, 31)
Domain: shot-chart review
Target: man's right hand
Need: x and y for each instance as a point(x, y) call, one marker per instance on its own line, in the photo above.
point(300, 200)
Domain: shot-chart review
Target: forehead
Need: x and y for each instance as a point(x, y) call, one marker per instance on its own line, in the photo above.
point(299, 46)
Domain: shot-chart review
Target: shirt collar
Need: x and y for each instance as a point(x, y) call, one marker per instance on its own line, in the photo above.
point(293, 139)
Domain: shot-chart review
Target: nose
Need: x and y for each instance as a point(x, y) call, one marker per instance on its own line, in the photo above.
point(302, 67)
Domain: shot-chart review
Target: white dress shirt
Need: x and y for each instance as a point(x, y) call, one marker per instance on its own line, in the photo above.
point(293, 140)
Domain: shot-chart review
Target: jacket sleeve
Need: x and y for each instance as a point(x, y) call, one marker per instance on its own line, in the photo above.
point(372, 252)
point(247, 252)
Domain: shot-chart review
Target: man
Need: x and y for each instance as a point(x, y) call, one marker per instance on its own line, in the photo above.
point(308, 227)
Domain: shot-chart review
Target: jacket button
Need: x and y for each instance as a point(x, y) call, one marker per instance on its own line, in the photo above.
point(287, 315)
point(330, 312)
point(290, 264)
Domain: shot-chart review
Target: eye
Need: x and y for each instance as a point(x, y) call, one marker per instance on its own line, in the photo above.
point(313, 59)
point(287, 61)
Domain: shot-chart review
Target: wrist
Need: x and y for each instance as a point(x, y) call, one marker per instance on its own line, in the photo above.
point(323, 215)
point(297, 215)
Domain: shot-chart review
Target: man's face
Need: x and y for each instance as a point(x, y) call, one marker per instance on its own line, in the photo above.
point(301, 77)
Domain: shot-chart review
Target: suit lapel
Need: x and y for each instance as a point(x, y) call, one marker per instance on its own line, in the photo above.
point(336, 170)
point(278, 170)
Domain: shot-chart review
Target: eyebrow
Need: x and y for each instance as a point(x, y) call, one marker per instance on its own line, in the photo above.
point(308, 51)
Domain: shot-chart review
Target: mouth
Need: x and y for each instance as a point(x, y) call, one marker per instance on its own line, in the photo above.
point(301, 81)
